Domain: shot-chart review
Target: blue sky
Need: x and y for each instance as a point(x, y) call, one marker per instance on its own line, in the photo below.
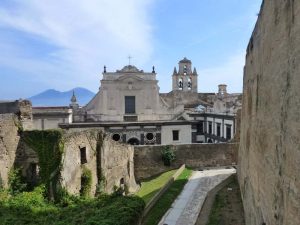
point(65, 44)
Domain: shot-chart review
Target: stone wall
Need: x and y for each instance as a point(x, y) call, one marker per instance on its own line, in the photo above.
point(116, 161)
point(269, 154)
point(22, 109)
point(148, 159)
point(9, 139)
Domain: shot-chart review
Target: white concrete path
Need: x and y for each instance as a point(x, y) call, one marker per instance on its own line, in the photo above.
point(186, 208)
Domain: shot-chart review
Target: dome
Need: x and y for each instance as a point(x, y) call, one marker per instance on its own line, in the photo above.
point(130, 68)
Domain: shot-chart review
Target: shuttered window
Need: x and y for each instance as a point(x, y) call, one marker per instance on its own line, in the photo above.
point(129, 104)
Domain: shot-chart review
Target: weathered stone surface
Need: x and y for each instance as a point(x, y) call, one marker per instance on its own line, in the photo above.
point(9, 140)
point(269, 154)
point(116, 162)
point(148, 159)
point(22, 109)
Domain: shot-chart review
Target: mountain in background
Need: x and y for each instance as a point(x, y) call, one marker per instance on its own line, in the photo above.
point(52, 97)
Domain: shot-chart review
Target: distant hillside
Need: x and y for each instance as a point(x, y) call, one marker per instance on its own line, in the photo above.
point(52, 97)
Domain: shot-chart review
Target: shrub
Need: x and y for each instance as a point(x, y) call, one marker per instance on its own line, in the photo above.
point(86, 182)
point(168, 155)
point(16, 181)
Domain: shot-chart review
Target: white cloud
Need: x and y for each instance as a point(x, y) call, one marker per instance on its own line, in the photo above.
point(230, 72)
point(86, 35)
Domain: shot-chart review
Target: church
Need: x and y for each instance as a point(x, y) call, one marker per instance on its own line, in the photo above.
point(131, 109)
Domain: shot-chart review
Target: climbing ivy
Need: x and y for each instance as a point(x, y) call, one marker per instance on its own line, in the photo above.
point(49, 146)
point(101, 178)
point(16, 182)
point(86, 182)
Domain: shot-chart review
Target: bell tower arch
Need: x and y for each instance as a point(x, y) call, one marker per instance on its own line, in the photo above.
point(185, 79)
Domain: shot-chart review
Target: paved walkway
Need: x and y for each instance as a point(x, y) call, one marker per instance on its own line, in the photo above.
point(185, 209)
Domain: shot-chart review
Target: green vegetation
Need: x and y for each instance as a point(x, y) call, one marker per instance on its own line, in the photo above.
point(165, 202)
point(16, 182)
point(86, 182)
point(152, 185)
point(33, 208)
point(49, 146)
point(168, 155)
point(219, 203)
point(227, 207)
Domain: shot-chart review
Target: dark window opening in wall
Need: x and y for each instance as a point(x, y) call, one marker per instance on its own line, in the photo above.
point(228, 132)
point(116, 137)
point(218, 129)
point(33, 174)
point(210, 127)
point(149, 136)
point(133, 141)
point(200, 128)
point(129, 104)
point(175, 135)
point(83, 158)
point(122, 181)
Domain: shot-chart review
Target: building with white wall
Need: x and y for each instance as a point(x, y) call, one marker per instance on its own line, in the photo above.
point(130, 108)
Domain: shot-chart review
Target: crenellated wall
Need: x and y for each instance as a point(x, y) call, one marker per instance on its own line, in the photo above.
point(269, 153)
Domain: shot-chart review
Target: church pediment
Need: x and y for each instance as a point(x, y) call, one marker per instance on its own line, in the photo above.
point(130, 77)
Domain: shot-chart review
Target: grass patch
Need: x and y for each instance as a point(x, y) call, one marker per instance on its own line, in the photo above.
point(152, 185)
point(33, 208)
point(165, 202)
point(227, 208)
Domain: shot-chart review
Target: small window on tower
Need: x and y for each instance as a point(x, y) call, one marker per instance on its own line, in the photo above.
point(189, 83)
point(180, 83)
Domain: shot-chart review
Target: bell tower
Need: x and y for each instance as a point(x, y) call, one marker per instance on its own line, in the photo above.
point(185, 79)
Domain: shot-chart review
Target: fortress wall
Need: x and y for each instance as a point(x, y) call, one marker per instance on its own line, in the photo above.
point(269, 153)
point(148, 159)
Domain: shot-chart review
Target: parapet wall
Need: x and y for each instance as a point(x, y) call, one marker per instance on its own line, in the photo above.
point(148, 159)
point(269, 154)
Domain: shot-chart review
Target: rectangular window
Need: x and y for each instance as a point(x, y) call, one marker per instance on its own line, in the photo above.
point(83, 158)
point(218, 129)
point(210, 127)
point(228, 132)
point(200, 127)
point(129, 104)
point(175, 135)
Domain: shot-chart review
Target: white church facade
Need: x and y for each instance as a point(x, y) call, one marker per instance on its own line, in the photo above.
point(129, 106)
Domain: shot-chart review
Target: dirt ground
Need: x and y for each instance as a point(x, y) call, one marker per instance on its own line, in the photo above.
point(228, 207)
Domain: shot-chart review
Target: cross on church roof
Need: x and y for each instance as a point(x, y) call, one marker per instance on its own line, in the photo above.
point(129, 59)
